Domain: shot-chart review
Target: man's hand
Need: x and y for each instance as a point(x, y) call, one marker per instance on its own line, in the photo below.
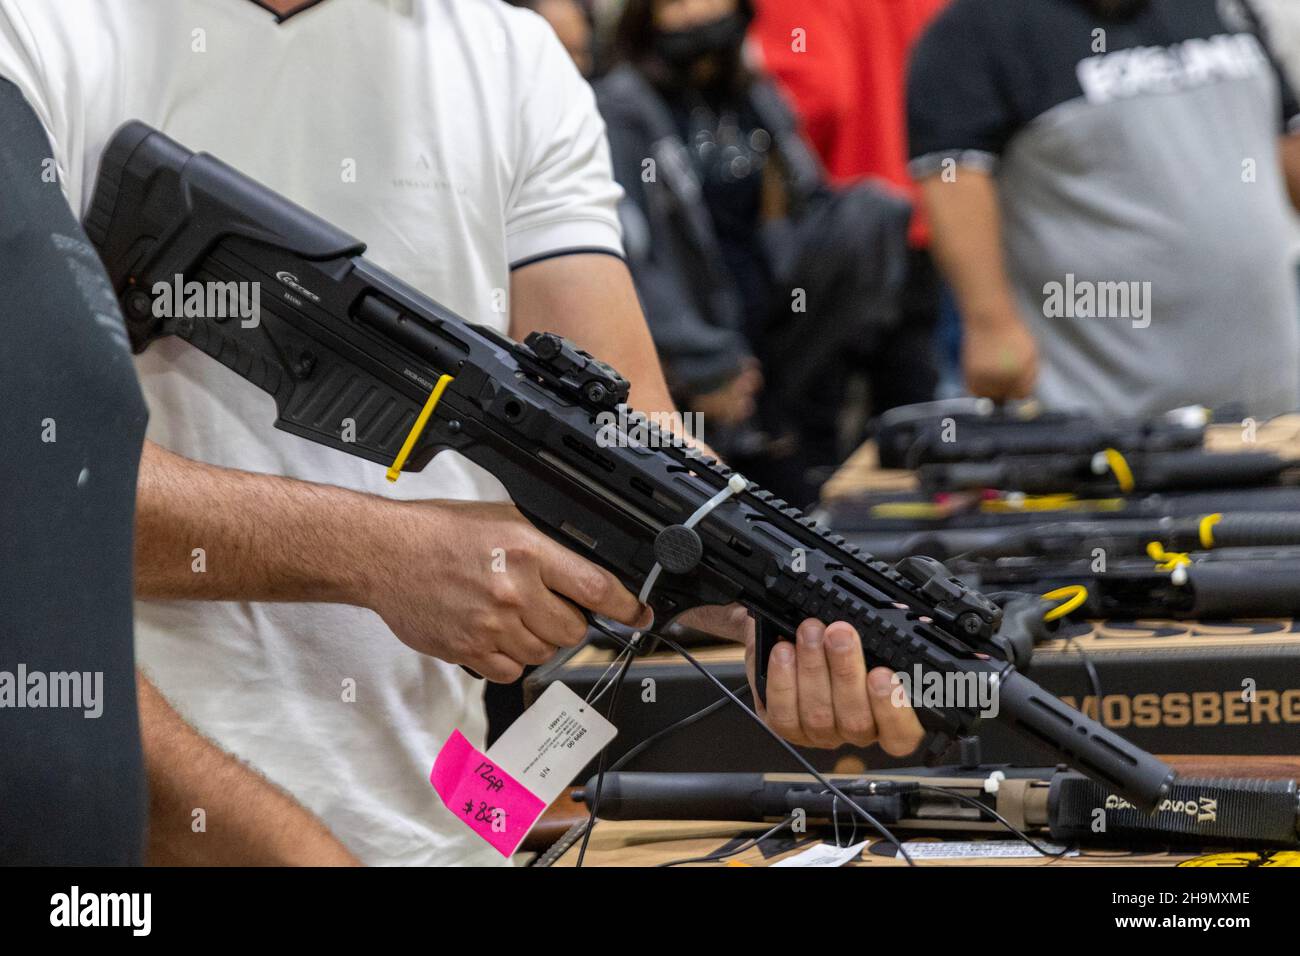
point(471, 583)
point(819, 693)
point(475, 584)
point(735, 401)
point(999, 358)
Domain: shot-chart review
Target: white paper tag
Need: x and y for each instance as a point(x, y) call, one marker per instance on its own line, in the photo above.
point(979, 850)
point(824, 854)
point(552, 741)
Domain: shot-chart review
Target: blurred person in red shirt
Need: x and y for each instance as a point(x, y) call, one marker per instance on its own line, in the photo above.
point(843, 63)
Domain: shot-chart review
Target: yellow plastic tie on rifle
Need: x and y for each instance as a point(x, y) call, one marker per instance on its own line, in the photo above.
point(1207, 530)
point(418, 428)
point(1120, 469)
point(1071, 597)
point(1019, 503)
point(1167, 560)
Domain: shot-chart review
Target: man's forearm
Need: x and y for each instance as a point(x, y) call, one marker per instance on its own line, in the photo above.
point(966, 223)
point(591, 300)
point(999, 355)
point(206, 808)
point(210, 533)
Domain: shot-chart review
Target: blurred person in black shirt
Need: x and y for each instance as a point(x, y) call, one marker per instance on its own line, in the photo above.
point(761, 284)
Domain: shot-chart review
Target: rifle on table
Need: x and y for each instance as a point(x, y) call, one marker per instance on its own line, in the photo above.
point(1062, 804)
point(342, 340)
point(972, 430)
point(1119, 537)
point(1214, 585)
point(1105, 472)
point(881, 519)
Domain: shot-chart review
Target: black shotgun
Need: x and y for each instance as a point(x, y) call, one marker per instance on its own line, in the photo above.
point(1066, 805)
point(338, 340)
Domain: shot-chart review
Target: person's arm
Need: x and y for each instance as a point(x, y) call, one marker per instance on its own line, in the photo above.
point(1290, 147)
point(1262, 22)
point(206, 808)
point(591, 300)
point(999, 357)
point(424, 566)
point(957, 132)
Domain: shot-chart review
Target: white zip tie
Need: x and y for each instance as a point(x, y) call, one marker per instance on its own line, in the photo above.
point(735, 485)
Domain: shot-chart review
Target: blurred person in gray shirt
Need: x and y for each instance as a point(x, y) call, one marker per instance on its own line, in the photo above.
point(1110, 202)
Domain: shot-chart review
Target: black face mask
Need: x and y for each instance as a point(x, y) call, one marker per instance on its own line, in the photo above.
point(1119, 9)
point(681, 49)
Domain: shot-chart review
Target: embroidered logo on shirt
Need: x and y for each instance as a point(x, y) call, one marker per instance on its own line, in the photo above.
point(1148, 70)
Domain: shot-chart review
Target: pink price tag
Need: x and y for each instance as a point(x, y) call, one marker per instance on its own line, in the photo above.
point(494, 805)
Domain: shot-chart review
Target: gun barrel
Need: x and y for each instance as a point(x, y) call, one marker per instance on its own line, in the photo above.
point(1082, 742)
point(1182, 470)
point(685, 796)
point(1119, 536)
point(1194, 812)
point(1258, 588)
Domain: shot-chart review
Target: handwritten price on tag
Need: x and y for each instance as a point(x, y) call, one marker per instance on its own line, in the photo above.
point(494, 782)
point(462, 776)
point(501, 794)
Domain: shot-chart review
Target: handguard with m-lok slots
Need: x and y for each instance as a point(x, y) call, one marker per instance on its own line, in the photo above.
point(352, 355)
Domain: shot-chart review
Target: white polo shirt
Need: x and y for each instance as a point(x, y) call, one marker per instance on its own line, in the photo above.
point(456, 139)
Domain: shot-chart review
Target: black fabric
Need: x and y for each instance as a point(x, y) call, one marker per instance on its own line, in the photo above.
point(719, 283)
point(682, 50)
point(72, 787)
point(561, 253)
point(691, 305)
point(728, 149)
point(987, 68)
